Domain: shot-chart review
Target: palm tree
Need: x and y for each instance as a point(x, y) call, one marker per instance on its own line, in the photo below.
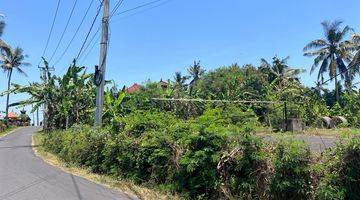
point(354, 65)
point(280, 72)
point(195, 72)
point(2, 26)
point(331, 53)
point(179, 83)
point(11, 60)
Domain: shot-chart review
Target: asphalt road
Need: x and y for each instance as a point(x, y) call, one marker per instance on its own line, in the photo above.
point(23, 176)
point(316, 143)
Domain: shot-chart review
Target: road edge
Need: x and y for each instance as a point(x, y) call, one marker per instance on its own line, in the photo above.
point(12, 131)
point(130, 189)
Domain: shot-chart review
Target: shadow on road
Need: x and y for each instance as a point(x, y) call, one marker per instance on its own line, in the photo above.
point(76, 187)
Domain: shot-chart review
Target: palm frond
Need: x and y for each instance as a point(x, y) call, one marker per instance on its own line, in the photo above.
point(319, 43)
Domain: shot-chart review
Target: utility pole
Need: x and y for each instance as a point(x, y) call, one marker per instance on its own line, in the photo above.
point(37, 117)
point(33, 116)
point(100, 72)
point(44, 76)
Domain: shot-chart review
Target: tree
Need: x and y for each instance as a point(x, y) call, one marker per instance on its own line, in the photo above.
point(279, 72)
point(2, 25)
point(11, 60)
point(3, 44)
point(195, 72)
point(68, 99)
point(354, 66)
point(331, 53)
point(179, 84)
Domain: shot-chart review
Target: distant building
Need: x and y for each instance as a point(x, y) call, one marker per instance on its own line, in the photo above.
point(12, 116)
point(134, 88)
point(164, 85)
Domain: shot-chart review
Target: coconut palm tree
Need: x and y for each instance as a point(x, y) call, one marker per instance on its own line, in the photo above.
point(354, 65)
point(10, 61)
point(2, 26)
point(279, 72)
point(179, 84)
point(331, 53)
point(195, 72)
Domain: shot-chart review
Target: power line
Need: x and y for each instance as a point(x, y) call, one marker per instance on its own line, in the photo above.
point(137, 7)
point(91, 48)
point(217, 101)
point(51, 30)
point(65, 29)
point(123, 12)
point(150, 8)
point(76, 32)
point(91, 27)
point(338, 74)
point(116, 7)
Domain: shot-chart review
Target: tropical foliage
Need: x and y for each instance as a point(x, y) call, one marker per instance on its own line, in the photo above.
point(12, 60)
point(196, 133)
point(332, 53)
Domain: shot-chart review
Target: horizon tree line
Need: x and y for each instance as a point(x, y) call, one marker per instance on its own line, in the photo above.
point(337, 53)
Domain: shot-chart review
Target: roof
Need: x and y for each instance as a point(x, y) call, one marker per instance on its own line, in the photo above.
point(163, 83)
point(133, 88)
point(12, 115)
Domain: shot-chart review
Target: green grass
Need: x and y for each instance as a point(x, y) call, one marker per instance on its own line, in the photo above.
point(7, 130)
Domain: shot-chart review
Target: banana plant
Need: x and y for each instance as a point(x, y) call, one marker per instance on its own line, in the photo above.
point(114, 108)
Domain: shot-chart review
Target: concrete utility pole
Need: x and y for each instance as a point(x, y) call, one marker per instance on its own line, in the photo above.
point(102, 63)
point(37, 117)
point(45, 71)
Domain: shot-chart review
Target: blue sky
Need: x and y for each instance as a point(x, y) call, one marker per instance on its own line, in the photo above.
point(153, 44)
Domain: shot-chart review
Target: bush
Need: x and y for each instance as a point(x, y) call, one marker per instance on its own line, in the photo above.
point(80, 145)
point(292, 174)
point(158, 148)
point(244, 171)
point(342, 175)
point(212, 157)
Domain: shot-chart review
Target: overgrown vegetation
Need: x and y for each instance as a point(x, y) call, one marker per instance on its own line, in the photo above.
point(199, 142)
point(204, 161)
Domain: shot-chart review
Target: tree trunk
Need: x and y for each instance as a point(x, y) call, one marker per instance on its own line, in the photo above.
point(8, 98)
point(337, 95)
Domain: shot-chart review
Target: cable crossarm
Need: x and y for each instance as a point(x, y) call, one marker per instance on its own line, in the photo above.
point(51, 30)
point(64, 31)
point(217, 101)
point(76, 32)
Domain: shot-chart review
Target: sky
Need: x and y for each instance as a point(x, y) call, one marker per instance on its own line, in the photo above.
point(155, 41)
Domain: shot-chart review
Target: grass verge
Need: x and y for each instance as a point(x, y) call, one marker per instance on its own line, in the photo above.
point(337, 132)
point(7, 131)
point(124, 186)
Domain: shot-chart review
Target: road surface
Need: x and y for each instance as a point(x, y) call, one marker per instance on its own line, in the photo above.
point(23, 176)
point(316, 143)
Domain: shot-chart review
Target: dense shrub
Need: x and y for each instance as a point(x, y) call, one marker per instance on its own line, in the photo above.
point(244, 171)
point(156, 147)
point(213, 157)
point(81, 145)
point(292, 173)
point(342, 174)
